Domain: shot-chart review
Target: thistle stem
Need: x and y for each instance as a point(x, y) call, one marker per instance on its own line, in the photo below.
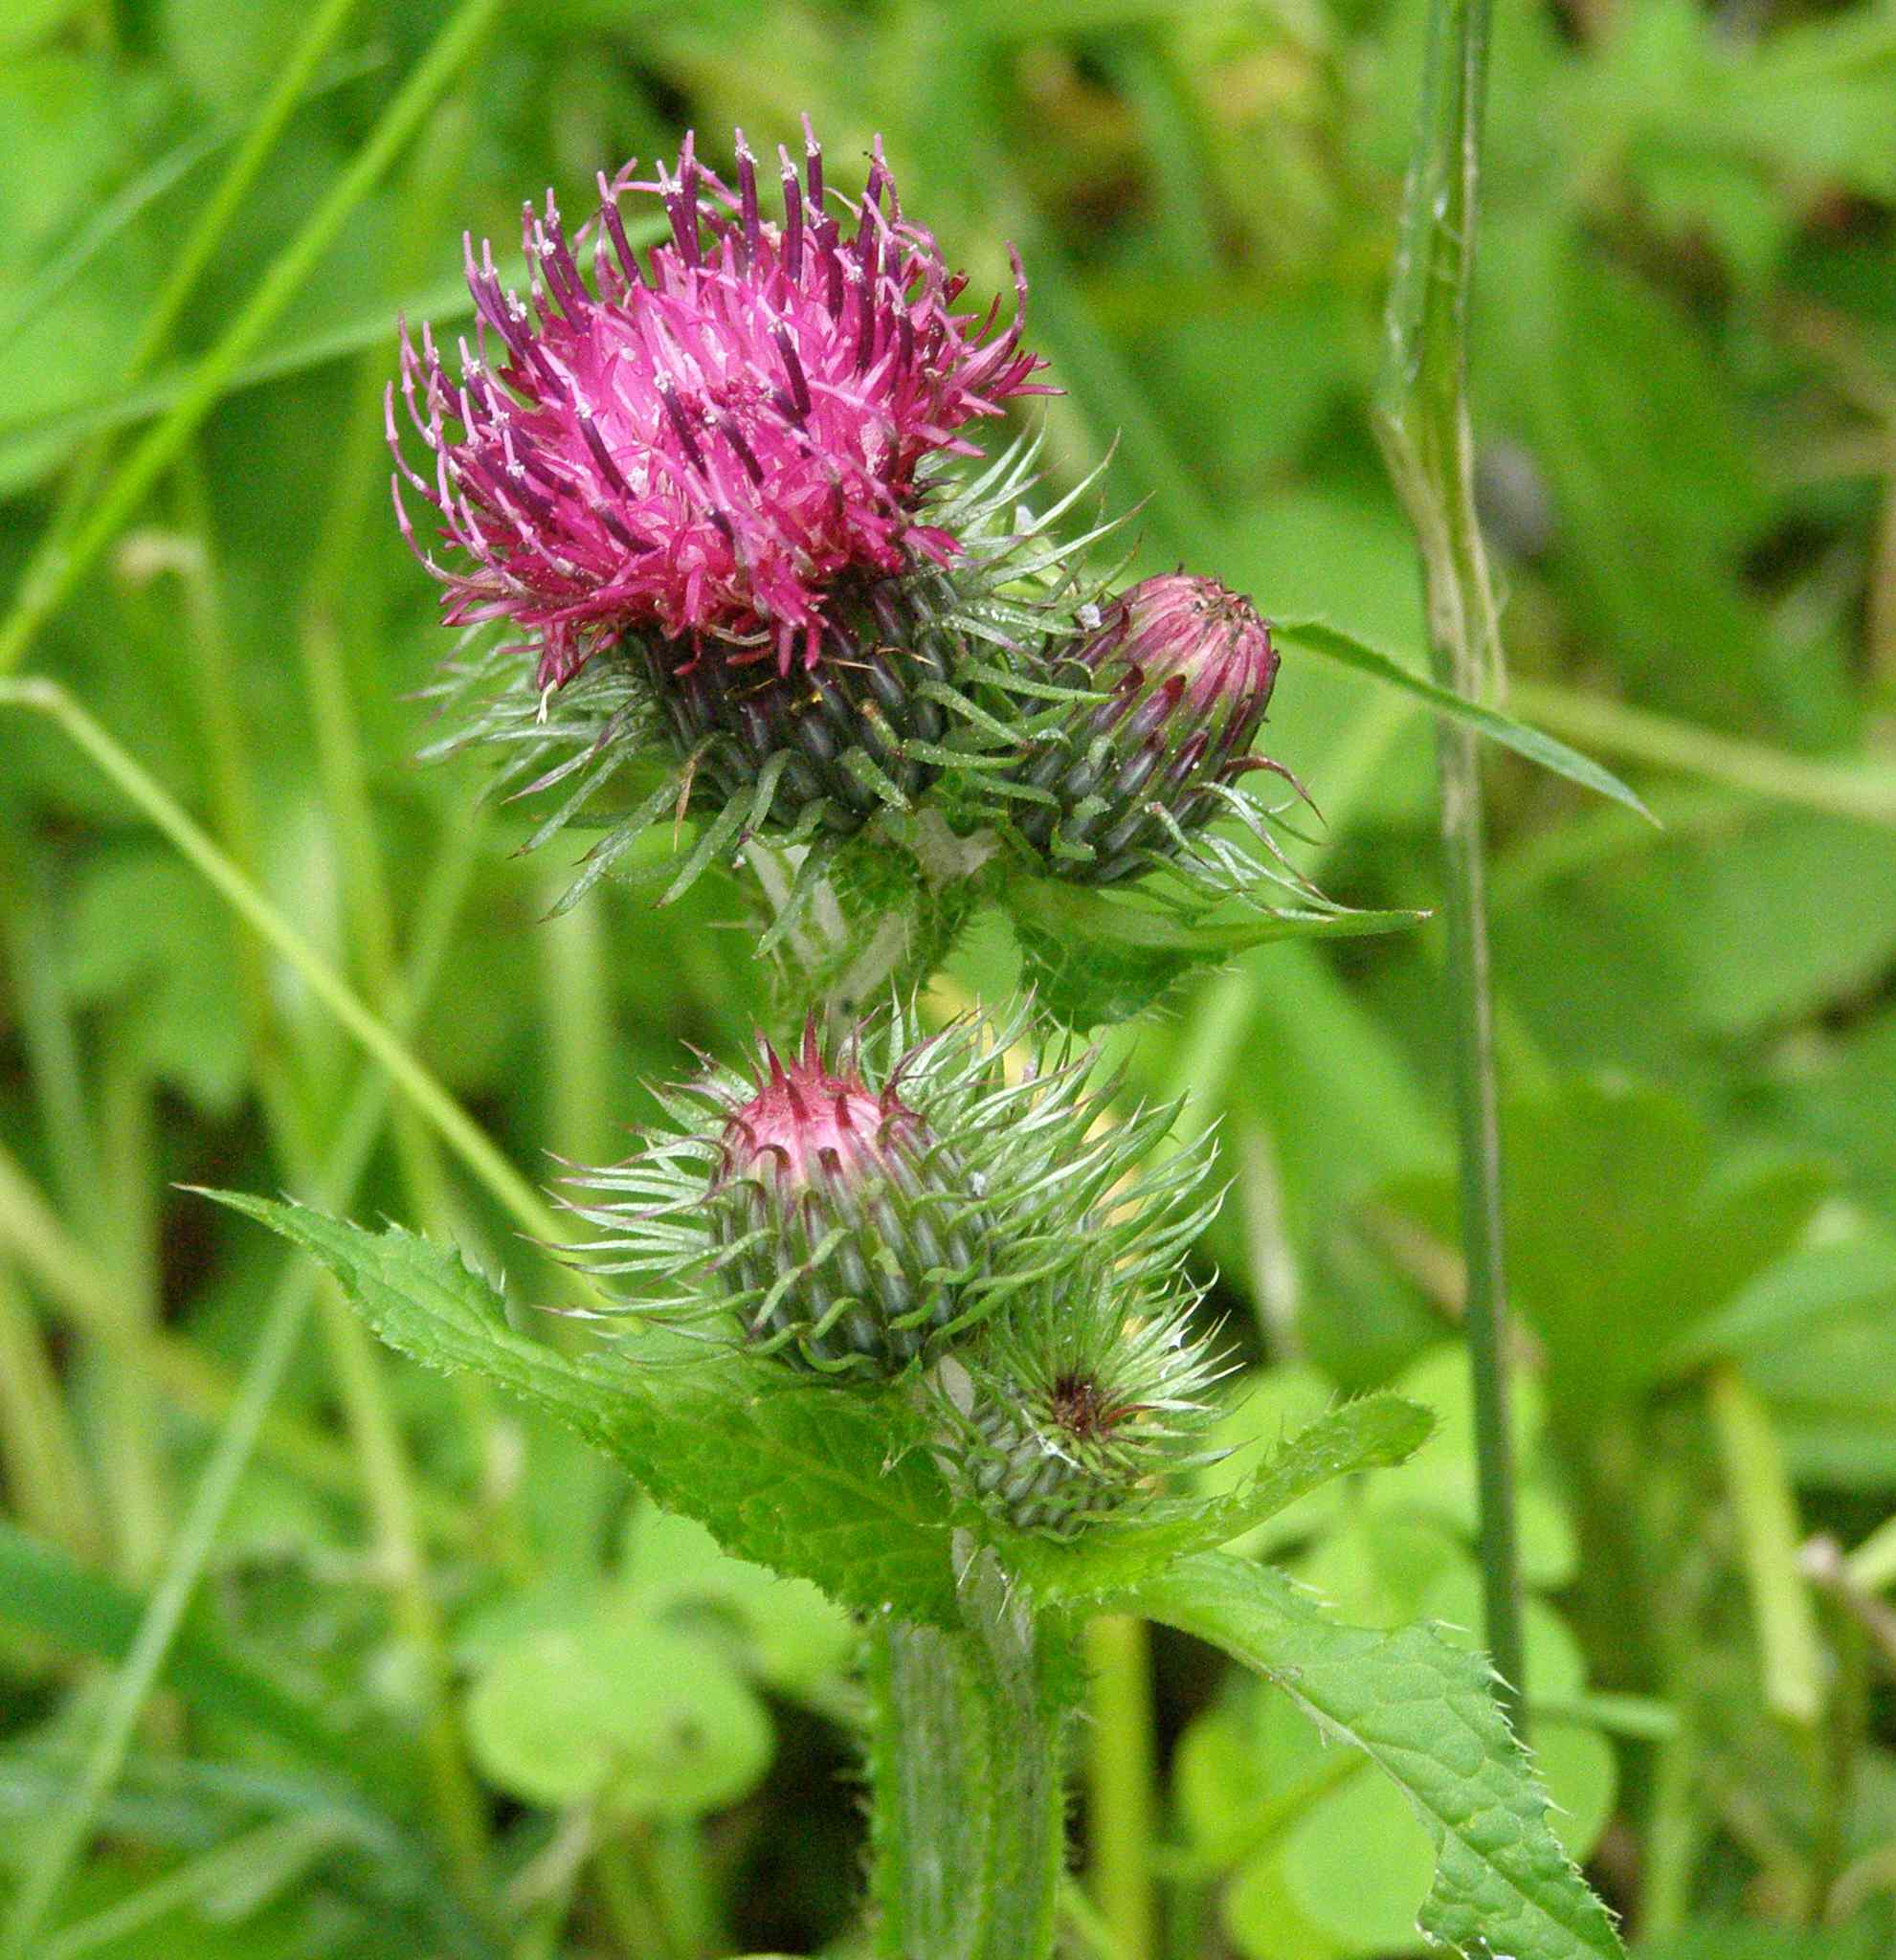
point(1120, 1782)
point(967, 1780)
point(1424, 424)
point(1478, 1122)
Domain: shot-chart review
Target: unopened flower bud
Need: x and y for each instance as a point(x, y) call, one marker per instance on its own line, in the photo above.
point(876, 1205)
point(847, 1230)
point(1067, 1416)
point(1187, 666)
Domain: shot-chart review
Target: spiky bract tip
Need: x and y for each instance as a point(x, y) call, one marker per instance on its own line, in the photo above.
point(860, 1209)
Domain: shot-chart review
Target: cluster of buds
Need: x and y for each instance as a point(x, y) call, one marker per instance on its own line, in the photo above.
point(717, 501)
point(911, 1210)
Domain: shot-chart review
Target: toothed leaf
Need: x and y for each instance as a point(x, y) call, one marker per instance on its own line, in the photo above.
point(1423, 1712)
point(1377, 1433)
point(810, 1481)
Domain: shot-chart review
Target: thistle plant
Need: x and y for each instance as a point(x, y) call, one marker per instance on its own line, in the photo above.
point(916, 1212)
point(718, 477)
point(910, 1310)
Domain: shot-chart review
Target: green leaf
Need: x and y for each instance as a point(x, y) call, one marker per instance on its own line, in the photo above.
point(1805, 1295)
point(146, 934)
point(647, 1722)
point(1832, 1393)
point(1085, 985)
point(1344, 648)
point(824, 1483)
point(1094, 961)
point(1080, 913)
point(1373, 1433)
point(1424, 1714)
point(1356, 1864)
point(1810, 899)
point(784, 1630)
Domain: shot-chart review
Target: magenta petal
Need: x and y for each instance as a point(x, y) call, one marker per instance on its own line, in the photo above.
point(709, 452)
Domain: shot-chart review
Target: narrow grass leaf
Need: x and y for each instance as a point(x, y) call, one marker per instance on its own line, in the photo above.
point(44, 1592)
point(285, 276)
point(1348, 651)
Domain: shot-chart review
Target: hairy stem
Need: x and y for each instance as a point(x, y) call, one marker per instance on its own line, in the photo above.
point(1422, 421)
point(967, 1780)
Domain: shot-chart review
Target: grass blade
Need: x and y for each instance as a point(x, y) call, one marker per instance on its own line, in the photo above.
point(44, 1592)
point(457, 1127)
point(56, 581)
point(71, 1821)
point(1348, 651)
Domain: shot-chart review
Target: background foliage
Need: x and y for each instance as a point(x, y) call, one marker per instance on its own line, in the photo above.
point(417, 1605)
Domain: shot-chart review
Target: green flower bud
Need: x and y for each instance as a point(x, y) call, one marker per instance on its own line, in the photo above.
point(866, 1210)
point(850, 1226)
point(1186, 668)
point(1064, 1416)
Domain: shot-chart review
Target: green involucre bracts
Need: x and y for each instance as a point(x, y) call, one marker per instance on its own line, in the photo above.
point(935, 1211)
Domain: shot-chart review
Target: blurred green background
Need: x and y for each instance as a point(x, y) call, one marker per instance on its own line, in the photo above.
point(401, 1691)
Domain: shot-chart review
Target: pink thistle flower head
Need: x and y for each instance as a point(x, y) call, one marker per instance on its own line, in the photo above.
point(702, 447)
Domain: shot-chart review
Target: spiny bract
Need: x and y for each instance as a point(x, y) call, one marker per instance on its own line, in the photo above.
point(856, 1211)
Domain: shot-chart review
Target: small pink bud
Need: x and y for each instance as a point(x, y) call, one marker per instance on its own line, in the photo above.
point(1188, 666)
point(836, 1209)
